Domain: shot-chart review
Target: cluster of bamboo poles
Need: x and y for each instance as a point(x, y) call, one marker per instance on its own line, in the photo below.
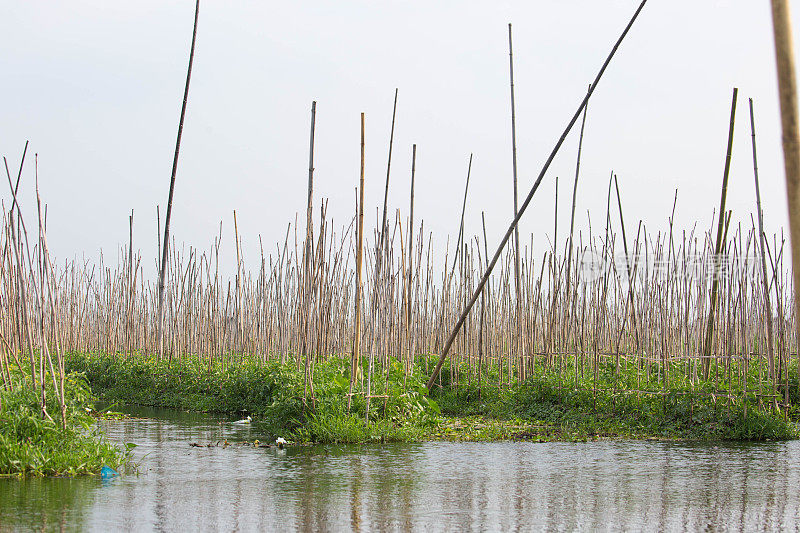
point(675, 304)
point(31, 323)
point(590, 300)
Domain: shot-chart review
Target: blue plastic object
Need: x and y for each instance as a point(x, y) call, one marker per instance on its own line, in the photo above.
point(107, 472)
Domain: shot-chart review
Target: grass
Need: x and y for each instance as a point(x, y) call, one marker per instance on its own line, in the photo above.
point(550, 405)
point(33, 446)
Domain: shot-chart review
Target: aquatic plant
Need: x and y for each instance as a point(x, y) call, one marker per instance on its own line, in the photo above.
point(271, 394)
point(33, 446)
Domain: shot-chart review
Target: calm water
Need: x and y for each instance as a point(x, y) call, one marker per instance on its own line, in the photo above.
point(433, 486)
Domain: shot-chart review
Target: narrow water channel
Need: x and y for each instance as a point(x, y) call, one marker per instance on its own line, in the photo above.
point(635, 485)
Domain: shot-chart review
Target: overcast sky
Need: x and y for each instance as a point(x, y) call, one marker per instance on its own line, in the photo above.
point(96, 87)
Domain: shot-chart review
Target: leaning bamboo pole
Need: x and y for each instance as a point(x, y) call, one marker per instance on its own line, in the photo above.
point(165, 251)
point(527, 201)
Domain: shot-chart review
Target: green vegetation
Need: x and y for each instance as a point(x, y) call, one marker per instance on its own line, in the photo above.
point(625, 401)
point(34, 446)
point(273, 394)
point(551, 404)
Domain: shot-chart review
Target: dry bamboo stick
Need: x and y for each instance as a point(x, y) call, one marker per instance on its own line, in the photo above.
point(355, 364)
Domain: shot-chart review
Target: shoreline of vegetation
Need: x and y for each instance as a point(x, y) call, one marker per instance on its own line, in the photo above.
point(551, 405)
point(37, 444)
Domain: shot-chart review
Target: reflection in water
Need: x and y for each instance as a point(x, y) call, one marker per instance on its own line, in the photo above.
point(469, 486)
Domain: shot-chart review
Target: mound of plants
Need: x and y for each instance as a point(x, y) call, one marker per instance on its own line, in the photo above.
point(552, 404)
point(616, 402)
point(32, 445)
point(275, 395)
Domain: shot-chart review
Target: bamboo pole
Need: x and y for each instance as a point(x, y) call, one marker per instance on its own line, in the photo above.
point(305, 297)
point(528, 199)
point(52, 296)
point(761, 236)
point(483, 306)
point(787, 90)
point(718, 246)
point(409, 303)
point(355, 364)
point(517, 336)
point(634, 325)
point(238, 295)
point(574, 200)
point(163, 266)
point(460, 224)
point(129, 306)
point(379, 244)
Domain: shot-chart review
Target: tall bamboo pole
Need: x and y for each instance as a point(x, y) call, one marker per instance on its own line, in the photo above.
point(787, 90)
point(380, 249)
point(379, 244)
point(627, 264)
point(572, 212)
point(305, 298)
point(47, 273)
point(355, 363)
point(718, 246)
point(130, 303)
point(410, 253)
point(163, 265)
point(761, 236)
point(238, 289)
point(517, 334)
point(509, 231)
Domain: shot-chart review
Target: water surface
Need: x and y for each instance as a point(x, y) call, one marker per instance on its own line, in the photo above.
point(637, 485)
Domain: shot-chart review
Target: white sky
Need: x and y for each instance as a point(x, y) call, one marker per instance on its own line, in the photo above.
point(96, 86)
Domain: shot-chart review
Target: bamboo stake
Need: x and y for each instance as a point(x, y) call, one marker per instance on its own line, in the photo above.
point(460, 237)
point(409, 302)
point(381, 238)
point(163, 266)
point(517, 337)
point(483, 306)
point(527, 201)
point(627, 265)
point(355, 364)
point(718, 247)
point(52, 300)
point(787, 90)
point(764, 276)
point(574, 199)
point(129, 307)
point(238, 289)
point(305, 305)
